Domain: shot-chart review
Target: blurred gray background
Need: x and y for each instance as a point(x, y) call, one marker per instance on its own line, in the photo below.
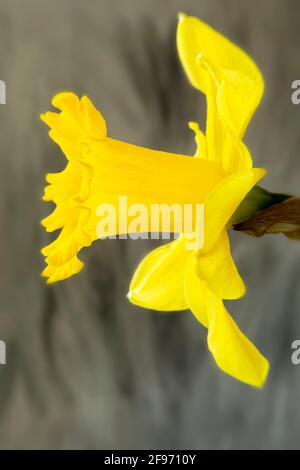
point(85, 369)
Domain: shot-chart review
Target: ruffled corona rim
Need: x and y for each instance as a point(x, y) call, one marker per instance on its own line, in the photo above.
point(75, 130)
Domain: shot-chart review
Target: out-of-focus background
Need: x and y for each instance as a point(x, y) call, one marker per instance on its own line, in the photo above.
point(85, 369)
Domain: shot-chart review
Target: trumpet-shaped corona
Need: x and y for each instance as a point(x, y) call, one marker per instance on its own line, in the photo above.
point(99, 171)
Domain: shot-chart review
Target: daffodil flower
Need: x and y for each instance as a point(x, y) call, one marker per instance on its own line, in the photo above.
point(173, 278)
point(99, 171)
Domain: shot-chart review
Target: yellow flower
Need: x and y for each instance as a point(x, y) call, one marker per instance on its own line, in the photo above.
point(99, 171)
point(173, 278)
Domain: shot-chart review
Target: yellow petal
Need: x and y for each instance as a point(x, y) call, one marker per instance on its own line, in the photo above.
point(232, 350)
point(158, 280)
point(218, 269)
point(243, 81)
point(223, 134)
point(222, 202)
